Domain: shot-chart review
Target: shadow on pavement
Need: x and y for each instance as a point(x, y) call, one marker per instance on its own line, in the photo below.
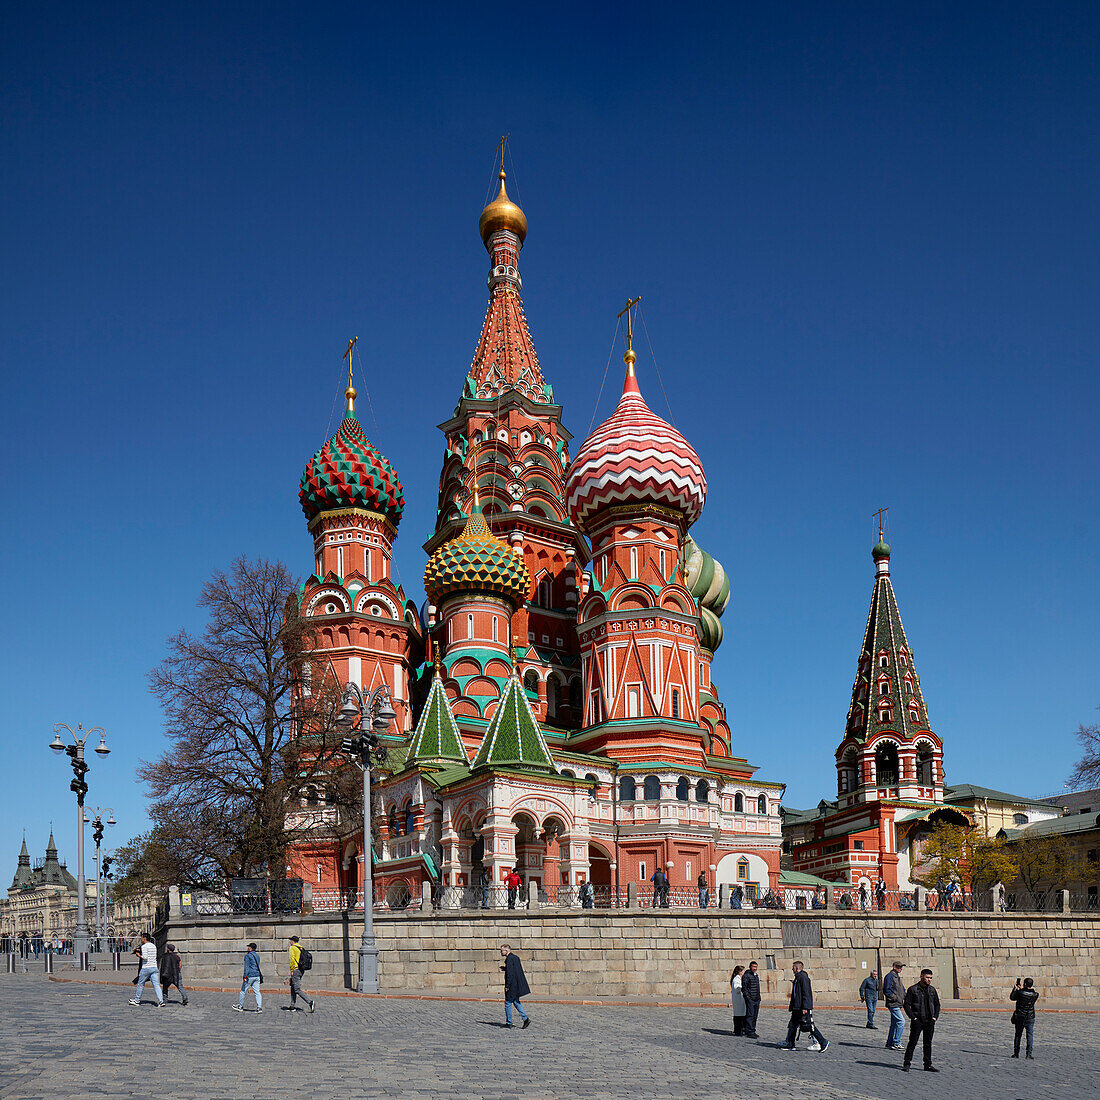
point(492, 1023)
point(880, 1065)
point(719, 1031)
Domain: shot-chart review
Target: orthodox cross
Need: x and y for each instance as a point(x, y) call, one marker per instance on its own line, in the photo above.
point(349, 393)
point(627, 309)
point(880, 516)
point(500, 150)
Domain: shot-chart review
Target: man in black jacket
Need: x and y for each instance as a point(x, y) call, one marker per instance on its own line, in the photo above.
point(1023, 1017)
point(515, 986)
point(802, 1009)
point(922, 1006)
point(750, 987)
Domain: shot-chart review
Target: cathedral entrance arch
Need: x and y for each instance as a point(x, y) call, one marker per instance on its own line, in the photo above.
point(599, 864)
point(529, 848)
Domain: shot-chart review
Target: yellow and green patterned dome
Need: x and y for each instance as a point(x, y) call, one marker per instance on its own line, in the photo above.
point(477, 562)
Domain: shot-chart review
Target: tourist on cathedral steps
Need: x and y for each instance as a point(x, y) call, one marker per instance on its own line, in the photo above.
point(922, 1006)
point(1024, 1014)
point(801, 1007)
point(750, 987)
point(868, 995)
point(894, 991)
point(171, 972)
point(148, 972)
point(515, 986)
point(298, 966)
point(512, 882)
point(253, 979)
point(880, 894)
point(704, 893)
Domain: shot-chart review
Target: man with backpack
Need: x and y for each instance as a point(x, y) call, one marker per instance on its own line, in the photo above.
point(300, 961)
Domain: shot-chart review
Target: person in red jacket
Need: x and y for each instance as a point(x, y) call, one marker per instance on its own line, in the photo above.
point(512, 882)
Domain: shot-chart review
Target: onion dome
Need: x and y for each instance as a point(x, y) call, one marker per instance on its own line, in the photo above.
point(348, 472)
point(477, 562)
point(706, 580)
point(881, 549)
point(500, 214)
point(635, 457)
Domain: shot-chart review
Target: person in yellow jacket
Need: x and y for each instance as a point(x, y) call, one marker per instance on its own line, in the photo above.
point(295, 979)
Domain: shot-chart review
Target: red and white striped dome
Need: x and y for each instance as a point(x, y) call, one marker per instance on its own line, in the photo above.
point(635, 457)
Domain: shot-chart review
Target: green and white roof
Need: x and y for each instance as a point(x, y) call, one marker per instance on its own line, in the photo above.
point(436, 738)
point(514, 739)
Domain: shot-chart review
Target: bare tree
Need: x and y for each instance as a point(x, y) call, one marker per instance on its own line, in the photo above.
point(1047, 863)
point(1087, 772)
point(245, 739)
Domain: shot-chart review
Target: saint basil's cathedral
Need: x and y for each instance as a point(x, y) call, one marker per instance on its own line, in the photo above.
point(554, 704)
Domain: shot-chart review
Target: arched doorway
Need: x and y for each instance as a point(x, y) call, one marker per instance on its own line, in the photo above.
point(529, 848)
point(554, 847)
point(599, 866)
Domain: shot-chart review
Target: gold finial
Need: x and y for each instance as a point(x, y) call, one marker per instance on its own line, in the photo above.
point(630, 356)
point(474, 456)
point(502, 213)
point(349, 393)
point(880, 515)
point(514, 654)
point(438, 660)
point(500, 150)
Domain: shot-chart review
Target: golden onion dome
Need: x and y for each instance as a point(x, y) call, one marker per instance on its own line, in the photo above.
point(477, 562)
point(500, 214)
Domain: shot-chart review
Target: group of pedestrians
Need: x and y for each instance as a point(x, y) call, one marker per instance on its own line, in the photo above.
point(166, 971)
point(745, 993)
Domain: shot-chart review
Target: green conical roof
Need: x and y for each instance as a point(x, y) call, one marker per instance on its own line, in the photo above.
point(514, 739)
point(23, 880)
point(436, 737)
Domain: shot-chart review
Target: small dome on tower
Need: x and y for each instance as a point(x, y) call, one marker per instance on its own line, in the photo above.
point(881, 549)
point(635, 457)
point(500, 214)
point(477, 561)
point(349, 472)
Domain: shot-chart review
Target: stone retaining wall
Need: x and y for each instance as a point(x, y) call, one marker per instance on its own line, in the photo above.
point(670, 954)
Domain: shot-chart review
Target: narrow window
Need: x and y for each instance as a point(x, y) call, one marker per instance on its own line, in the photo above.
point(675, 703)
point(496, 629)
point(762, 804)
point(739, 803)
point(742, 870)
point(340, 561)
point(661, 557)
point(641, 870)
point(633, 702)
point(469, 626)
point(633, 561)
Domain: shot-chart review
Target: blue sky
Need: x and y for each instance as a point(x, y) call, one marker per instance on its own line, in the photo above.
point(866, 241)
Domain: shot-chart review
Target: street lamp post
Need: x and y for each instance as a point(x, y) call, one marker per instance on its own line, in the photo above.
point(97, 822)
point(79, 787)
point(374, 711)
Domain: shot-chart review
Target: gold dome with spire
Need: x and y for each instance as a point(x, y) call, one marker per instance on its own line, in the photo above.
point(500, 214)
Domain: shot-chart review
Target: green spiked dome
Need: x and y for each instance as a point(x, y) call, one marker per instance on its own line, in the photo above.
point(514, 739)
point(476, 562)
point(706, 580)
point(348, 472)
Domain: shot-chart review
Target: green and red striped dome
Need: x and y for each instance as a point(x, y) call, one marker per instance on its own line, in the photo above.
point(348, 472)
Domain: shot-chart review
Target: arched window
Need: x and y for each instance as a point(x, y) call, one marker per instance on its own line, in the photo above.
point(1019, 819)
point(925, 766)
point(739, 803)
point(762, 804)
point(651, 788)
point(702, 791)
point(553, 695)
point(883, 659)
point(884, 685)
point(311, 796)
point(575, 697)
point(627, 789)
point(886, 765)
point(675, 702)
point(914, 710)
point(410, 819)
point(542, 593)
point(391, 821)
point(531, 681)
point(885, 711)
point(908, 684)
point(568, 774)
point(682, 789)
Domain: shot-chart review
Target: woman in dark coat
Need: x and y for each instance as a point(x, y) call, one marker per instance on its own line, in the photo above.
point(170, 972)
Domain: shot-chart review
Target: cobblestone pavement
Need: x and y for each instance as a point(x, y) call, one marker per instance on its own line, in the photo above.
point(75, 1040)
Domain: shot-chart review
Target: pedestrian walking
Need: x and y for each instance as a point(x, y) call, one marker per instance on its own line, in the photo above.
point(801, 1008)
point(880, 895)
point(893, 990)
point(1023, 1015)
point(868, 995)
point(515, 986)
point(512, 882)
point(737, 997)
point(737, 896)
point(750, 988)
point(922, 1006)
point(588, 895)
point(148, 972)
point(171, 972)
point(484, 881)
point(300, 961)
point(253, 979)
point(941, 894)
point(864, 897)
point(704, 893)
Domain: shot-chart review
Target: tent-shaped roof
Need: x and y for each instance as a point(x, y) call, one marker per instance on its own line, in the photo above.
point(436, 737)
point(514, 739)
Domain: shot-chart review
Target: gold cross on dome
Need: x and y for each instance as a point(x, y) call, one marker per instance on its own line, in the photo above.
point(880, 517)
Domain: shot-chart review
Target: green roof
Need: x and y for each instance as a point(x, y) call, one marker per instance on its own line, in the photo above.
point(436, 737)
point(963, 791)
point(445, 777)
point(514, 739)
point(1058, 826)
point(800, 878)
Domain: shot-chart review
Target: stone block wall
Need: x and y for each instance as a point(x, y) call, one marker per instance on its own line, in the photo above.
point(670, 954)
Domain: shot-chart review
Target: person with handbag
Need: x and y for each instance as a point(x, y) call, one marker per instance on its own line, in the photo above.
point(149, 971)
point(1023, 1015)
point(171, 972)
point(253, 979)
point(801, 1008)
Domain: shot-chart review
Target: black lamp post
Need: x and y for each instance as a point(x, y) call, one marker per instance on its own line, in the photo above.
point(375, 712)
point(97, 822)
point(79, 787)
